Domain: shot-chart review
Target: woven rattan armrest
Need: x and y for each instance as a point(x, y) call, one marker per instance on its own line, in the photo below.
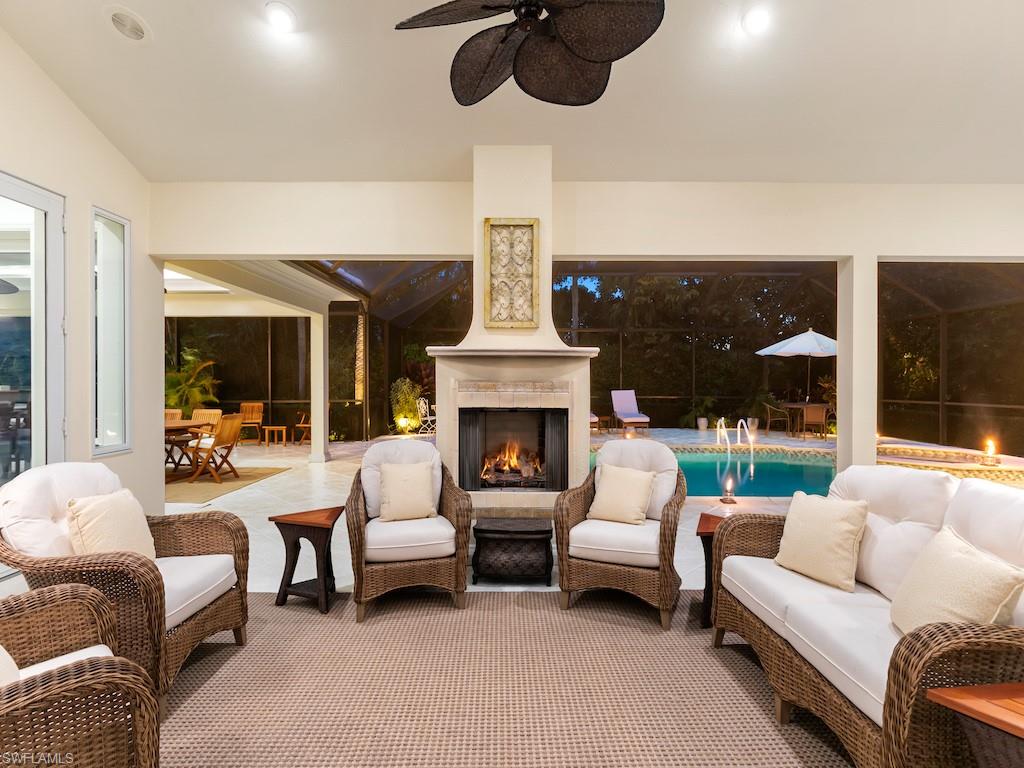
point(203, 533)
point(456, 507)
point(571, 506)
point(670, 514)
point(73, 711)
point(355, 519)
point(753, 534)
point(939, 656)
point(52, 621)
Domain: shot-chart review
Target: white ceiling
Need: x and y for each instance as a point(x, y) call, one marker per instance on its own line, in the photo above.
point(839, 90)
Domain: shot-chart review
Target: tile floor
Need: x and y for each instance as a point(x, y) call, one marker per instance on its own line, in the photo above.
point(311, 486)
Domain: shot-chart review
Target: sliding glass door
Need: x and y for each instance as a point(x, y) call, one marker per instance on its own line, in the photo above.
point(31, 327)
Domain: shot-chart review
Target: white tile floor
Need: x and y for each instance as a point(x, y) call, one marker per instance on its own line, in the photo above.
point(311, 486)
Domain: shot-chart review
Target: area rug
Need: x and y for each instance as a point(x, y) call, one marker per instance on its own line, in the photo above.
point(207, 489)
point(510, 682)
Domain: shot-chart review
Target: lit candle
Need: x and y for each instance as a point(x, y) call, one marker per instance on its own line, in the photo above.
point(728, 497)
point(991, 457)
point(990, 447)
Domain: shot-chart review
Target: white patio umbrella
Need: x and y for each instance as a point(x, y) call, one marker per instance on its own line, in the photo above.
point(807, 344)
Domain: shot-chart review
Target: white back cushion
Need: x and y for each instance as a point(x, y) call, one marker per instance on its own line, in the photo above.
point(647, 456)
point(406, 451)
point(906, 508)
point(991, 517)
point(34, 505)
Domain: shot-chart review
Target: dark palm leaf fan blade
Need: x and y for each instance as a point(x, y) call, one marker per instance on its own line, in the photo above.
point(549, 71)
point(606, 30)
point(456, 12)
point(484, 62)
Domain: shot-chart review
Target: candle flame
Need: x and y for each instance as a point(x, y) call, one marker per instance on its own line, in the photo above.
point(990, 447)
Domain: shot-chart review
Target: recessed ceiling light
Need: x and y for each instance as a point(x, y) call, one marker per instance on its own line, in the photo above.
point(756, 21)
point(128, 25)
point(280, 16)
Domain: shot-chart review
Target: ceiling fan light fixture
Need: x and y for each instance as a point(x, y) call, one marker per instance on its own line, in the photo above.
point(129, 25)
point(280, 16)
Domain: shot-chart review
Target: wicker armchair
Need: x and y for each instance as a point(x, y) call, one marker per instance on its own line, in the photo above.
point(135, 584)
point(373, 579)
point(658, 586)
point(98, 711)
point(916, 733)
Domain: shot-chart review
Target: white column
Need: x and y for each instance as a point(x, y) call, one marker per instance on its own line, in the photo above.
point(318, 387)
point(857, 366)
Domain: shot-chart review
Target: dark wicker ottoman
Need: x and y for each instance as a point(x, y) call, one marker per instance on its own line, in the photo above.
point(515, 549)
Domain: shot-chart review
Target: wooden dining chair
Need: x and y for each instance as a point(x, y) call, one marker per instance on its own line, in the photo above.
point(211, 416)
point(210, 454)
point(172, 414)
point(816, 415)
point(302, 423)
point(252, 417)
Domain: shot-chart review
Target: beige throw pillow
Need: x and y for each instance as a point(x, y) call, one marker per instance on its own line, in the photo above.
point(954, 581)
point(406, 492)
point(8, 669)
point(622, 495)
point(821, 538)
point(112, 522)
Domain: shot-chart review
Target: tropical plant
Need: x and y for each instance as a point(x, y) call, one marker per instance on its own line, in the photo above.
point(193, 385)
point(702, 406)
point(403, 403)
point(756, 405)
point(827, 385)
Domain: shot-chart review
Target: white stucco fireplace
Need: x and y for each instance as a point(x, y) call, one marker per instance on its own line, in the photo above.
point(512, 371)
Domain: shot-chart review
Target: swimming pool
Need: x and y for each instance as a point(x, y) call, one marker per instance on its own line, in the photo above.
point(773, 474)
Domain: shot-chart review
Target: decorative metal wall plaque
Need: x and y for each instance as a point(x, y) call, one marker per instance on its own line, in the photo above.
point(512, 272)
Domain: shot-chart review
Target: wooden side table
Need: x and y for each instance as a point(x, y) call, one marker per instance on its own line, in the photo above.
point(316, 526)
point(707, 524)
point(992, 717)
point(513, 548)
point(280, 435)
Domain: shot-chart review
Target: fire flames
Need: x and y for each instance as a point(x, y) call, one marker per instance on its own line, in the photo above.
point(511, 458)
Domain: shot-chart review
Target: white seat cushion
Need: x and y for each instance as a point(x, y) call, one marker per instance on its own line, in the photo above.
point(192, 583)
point(633, 418)
point(92, 652)
point(646, 456)
point(34, 505)
point(397, 452)
point(618, 543)
point(768, 590)
point(850, 642)
point(402, 540)
point(906, 508)
point(991, 517)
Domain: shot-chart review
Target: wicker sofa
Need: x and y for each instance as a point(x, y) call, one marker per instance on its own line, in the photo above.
point(408, 553)
point(75, 698)
point(597, 554)
point(165, 608)
point(836, 654)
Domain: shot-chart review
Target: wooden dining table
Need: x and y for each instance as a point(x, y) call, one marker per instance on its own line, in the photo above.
point(800, 410)
point(177, 428)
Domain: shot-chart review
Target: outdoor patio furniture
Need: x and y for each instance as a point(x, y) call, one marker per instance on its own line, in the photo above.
point(178, 435)
point(428, 420)
point(252, 417)
point(774, 415)
point(836, 653)
point(209, 416)
point(276, 434)
point(627, 412)
point(316, 527)
point(302, 428)
point(513, 549)
point(815, 415)
point(432, 551)
point(75, 697)
point(172, 414)
point(196, 587)
point(598, 554)
point(210, 454)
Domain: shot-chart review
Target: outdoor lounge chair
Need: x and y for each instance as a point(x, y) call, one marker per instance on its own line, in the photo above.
point(165, 607)
point(598, 554)
point(627, 412)
point(210, 454)
point(432, 551)
point(74, 696)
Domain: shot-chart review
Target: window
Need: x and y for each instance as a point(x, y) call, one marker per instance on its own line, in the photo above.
point(110, 333)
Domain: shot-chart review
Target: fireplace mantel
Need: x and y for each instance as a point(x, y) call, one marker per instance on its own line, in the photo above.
point(588, 352)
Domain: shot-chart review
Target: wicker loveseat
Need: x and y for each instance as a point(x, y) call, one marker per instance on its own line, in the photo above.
point(74, 698)
point(837, 654)
point(597, 554)
point(165, 608)
point(407, 553)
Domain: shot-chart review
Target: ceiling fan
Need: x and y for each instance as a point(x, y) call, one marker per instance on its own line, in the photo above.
point(559, 51)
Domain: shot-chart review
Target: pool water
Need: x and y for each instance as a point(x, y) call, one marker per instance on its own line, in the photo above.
point(773, 474)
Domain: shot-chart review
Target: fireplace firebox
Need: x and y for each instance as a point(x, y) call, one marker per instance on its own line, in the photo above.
point(513, 449)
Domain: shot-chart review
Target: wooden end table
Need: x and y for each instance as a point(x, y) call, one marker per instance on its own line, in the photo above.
point(280, 435)
point(513, 548)
point(707, 524)
point(316, 526)
point(992, 717)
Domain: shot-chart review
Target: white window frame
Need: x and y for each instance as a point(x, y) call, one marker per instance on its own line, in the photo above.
point(48, 395)
point(126, 445)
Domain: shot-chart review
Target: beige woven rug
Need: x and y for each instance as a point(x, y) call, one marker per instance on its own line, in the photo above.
point(511, 682)
point(207, 489)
